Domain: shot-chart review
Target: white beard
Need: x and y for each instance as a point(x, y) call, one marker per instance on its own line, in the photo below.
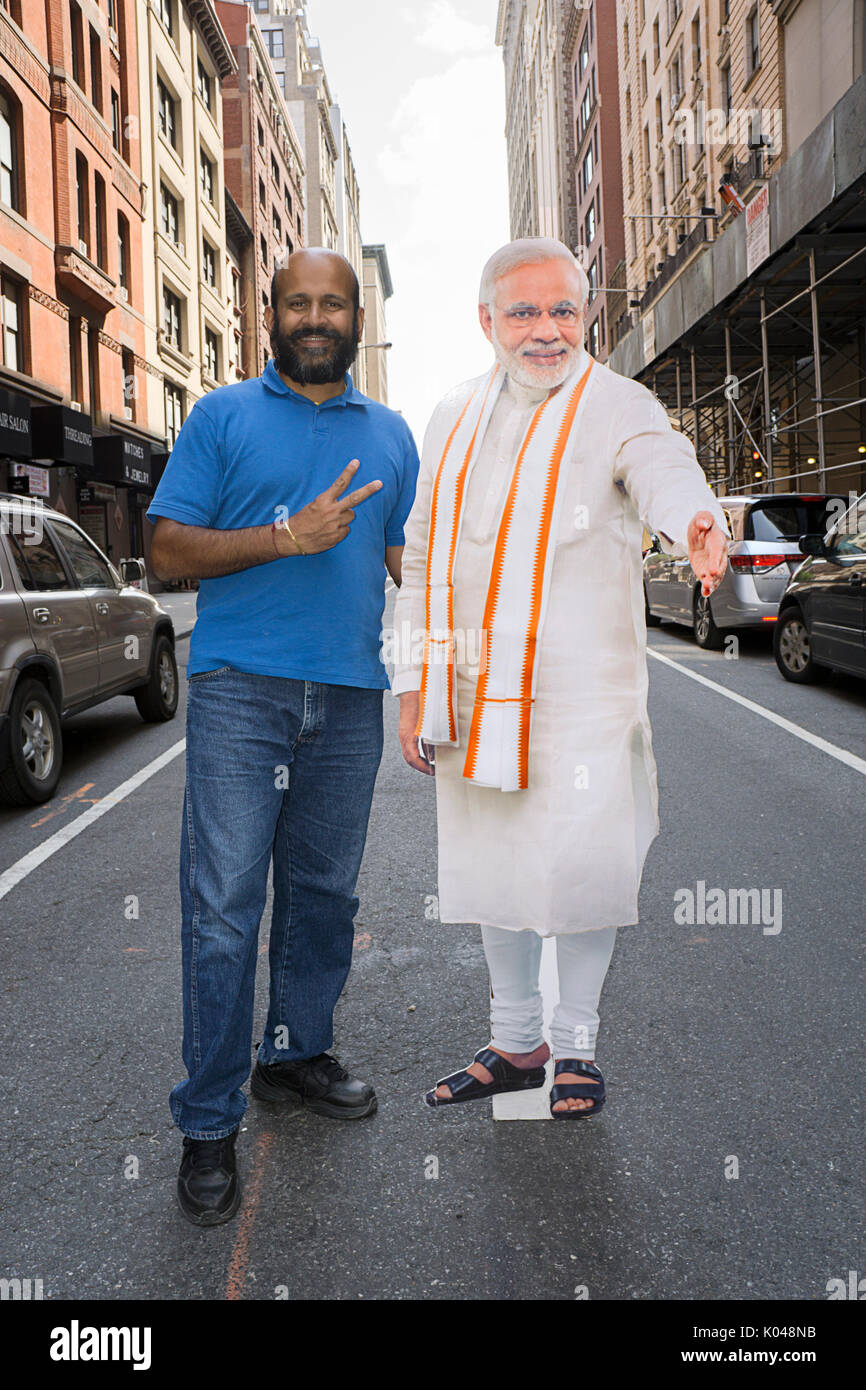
point(537, 378)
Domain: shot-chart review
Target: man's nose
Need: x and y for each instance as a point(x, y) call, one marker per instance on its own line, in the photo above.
point(546, 329)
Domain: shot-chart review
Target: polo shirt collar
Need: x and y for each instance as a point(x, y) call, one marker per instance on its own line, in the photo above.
point(272, 380)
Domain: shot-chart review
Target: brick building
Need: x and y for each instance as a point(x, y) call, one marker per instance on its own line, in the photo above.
point(264, 169)
point(72, 363)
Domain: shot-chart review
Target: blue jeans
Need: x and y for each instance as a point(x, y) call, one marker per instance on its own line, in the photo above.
point(276, 769)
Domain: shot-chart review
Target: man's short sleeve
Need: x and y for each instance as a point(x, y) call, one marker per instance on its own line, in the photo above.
point(394, 532)
point(189, 489)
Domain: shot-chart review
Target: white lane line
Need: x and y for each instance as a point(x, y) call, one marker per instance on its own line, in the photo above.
point(535, 1105)
point(840, 754)
point(11, 877)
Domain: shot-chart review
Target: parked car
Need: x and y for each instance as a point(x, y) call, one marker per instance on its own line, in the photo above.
point(822, 616)
point(763, 554)
point(73, 633)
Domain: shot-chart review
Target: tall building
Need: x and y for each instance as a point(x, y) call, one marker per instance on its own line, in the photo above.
point(745, 172)
point(75, 423)
point(377, 290)
point(298, 63)
point(595, 175)
point(539, 114)
point(184, 57)
point(264, 170)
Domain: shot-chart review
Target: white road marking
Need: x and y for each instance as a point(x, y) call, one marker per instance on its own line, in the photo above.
point(11, 877)
point(831, 749)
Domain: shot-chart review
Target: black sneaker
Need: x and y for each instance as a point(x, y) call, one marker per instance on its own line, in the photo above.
point(321, 1084)
point(208, 1188)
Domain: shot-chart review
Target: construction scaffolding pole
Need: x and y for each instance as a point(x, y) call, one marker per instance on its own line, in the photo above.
point(768, 409)
point(816, 356)
point(731, 386)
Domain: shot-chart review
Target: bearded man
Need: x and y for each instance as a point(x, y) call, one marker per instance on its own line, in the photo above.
point(522, 569)
point(284, 714)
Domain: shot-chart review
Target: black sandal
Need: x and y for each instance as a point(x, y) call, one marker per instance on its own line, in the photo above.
point(506, 1077)
point(576, 1091)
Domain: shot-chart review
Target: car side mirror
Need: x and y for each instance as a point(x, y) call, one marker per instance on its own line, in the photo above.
point(131, 571)
point(813, 545)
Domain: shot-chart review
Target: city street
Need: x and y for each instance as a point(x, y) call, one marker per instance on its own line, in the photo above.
point(727, 1163)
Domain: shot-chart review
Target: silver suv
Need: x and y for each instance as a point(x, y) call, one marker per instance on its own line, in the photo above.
point(73, 633)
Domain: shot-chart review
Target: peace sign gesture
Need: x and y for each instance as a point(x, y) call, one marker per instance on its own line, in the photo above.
point(327, 521)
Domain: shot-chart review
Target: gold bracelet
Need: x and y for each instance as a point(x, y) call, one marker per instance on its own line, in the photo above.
point(295, 539)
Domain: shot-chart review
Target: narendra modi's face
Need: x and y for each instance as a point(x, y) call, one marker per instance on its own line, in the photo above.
point(536, 323)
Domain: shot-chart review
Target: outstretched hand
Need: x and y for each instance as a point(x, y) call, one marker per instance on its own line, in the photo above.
point(708, 551)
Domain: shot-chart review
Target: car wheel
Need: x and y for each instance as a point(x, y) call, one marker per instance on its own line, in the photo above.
point(707, 635)
point(792, 649)
point(35, 747)
point(651, 619)
point(157, 701)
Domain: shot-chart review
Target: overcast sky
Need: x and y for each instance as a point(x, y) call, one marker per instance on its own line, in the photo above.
point(421, 87)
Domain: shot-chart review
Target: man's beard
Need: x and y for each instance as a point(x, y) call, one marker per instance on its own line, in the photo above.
point(520, 368)
point(320, 368)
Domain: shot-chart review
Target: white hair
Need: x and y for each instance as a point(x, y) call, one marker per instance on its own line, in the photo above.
point(531, 250)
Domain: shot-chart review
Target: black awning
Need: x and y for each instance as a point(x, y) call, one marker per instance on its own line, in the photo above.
point(62, 435)
point(118, 458)
point(16, 431)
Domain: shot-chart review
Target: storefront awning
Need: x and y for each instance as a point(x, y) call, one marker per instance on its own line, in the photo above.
point(118, 458)
point(62, 435)
point(16, 433)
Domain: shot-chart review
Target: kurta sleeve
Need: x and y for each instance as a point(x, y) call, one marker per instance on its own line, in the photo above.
point(410, 611)
point(660, 472)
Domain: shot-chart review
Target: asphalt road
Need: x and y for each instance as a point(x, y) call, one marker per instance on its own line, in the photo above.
point(720, 1044)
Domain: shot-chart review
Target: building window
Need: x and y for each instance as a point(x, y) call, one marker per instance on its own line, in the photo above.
point(625, 52)
point(589, 226)
point(585, 111)
point(275, 171)
point(594, 338)
point(587, 169)
point(115, 120)
point(168, 214)
point(208, 263)
point(659, 120)
point(679, 153)
point(277, 225)
point(697, 57)
point(643, 86)
point(206, 176)
point(10, 324)
point(287, 199)
point(262, 193)
point(9, 184)
point(171, 317)
point(262, 6)
point(726, 89)
point(173, 413)
point(677, 78)
point(77, 35)
point(123, 252)
point(675, 9)
point(203, 84)
point(592, 277)
point(211, 354)
point(164, 11)
point(274, 40)
point(165, 108)
point(96, 70)
point(583, 54)
point(631, 173)
point(628, 108)
point(753, 42)
point(101, 230)
point(657, 44)
point(260, 131)
point(263, 247)
point(82, 204)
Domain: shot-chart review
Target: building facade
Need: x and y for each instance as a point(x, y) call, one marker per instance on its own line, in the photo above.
point(264, 167)
point(377, 290)
point(745, 265)
point(595, 179)
point(539, 103)
point(75, 428)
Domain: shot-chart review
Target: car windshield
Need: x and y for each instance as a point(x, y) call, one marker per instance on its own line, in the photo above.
point(788, 520)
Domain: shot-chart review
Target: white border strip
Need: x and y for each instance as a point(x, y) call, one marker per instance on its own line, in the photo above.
point(840, 754)
point(10, 878)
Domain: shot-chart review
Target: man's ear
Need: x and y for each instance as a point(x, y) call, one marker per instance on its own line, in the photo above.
point(362, 318)
point(485, 318)
point(269, 319)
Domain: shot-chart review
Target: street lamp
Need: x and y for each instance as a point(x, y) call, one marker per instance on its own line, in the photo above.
point(368, 347)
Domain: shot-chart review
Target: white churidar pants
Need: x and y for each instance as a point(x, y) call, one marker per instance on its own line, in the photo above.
point(516, 1008)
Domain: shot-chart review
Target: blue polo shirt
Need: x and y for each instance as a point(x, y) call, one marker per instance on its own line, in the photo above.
point(245, 452)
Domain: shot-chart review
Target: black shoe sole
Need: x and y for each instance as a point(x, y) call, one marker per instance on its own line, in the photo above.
point(265, 1090)
point(211, 1218)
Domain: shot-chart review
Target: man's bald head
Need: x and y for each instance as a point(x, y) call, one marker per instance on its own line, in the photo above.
point(313, 265)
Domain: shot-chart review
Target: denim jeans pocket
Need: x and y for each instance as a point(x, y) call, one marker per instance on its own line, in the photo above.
point(208, 675)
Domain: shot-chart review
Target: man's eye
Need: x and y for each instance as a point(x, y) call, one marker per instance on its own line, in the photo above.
point(521, 314)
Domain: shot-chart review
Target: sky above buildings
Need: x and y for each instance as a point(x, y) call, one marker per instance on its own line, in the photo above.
point(422, 93)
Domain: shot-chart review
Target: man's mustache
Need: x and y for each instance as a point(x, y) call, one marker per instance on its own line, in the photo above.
point(300, 335)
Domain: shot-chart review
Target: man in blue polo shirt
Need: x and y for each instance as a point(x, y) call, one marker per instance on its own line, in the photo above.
point(285, 496)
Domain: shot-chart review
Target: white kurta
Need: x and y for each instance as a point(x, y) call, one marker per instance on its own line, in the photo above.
point(566, 854)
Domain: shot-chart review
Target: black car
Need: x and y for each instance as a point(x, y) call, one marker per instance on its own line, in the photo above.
point(822, 615)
